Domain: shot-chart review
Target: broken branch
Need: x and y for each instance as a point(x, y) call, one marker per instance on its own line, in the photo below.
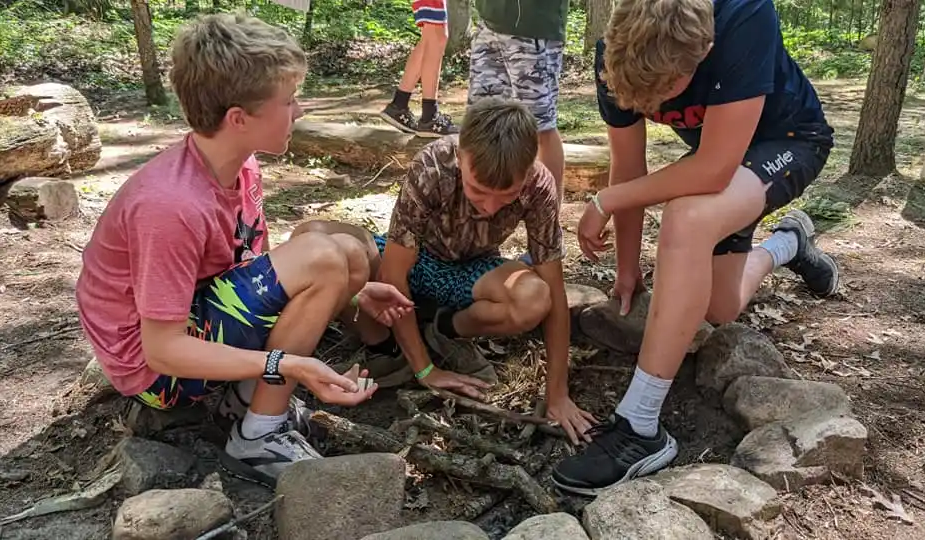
point(497, 475)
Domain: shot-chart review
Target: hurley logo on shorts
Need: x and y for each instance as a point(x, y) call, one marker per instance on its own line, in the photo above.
point(773, 166)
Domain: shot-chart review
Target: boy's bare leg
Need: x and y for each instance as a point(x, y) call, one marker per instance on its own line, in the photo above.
point(313, 270)
point(736, 278)
point(509, 300)
point(434, 38)
point(413, 68)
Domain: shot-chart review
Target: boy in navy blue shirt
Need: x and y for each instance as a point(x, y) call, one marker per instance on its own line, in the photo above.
point(716, 71)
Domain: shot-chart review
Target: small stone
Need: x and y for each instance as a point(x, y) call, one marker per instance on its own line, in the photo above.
point(557, 526)
point(729, 499)
point(340, 497)
point(433, 530)
point(213, 482)
point(93, 375)
point(581, 296)
point(756, 401)
point(641, 510)
point(735, 350)
point(148, 464)
point(603, 324)
point(171, 513)
point(39, 198)
point(803, 451)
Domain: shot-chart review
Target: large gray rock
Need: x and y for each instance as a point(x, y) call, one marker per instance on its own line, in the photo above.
point(150, 464)
point(735, 350)
point(641, 510)
point(557, 526)
point(433, 530)
point(729, 499)
point(806, 450)
point(340, 497)
point(604, 325)
point(38, 199)
point(171, 514)
point(756, 401)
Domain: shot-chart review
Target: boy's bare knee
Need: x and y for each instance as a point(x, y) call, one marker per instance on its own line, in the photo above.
point(684, 220)
point(311, 258)
point(530, 302)
point(357, 261)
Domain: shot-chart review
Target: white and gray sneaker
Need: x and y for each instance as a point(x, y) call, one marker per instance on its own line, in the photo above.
point(233, 406)
point(263, 459)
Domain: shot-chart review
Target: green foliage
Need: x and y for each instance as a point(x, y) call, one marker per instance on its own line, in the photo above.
point(826, 55)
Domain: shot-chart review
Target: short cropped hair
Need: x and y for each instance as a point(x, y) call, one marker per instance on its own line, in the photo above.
point(500, 137)
point(223, 60)
point(650, 45)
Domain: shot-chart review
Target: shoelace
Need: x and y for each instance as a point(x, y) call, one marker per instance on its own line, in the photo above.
point(597, 435)
point(294, 442)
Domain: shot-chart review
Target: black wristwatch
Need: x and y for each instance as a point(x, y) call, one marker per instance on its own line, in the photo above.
point(271, 370)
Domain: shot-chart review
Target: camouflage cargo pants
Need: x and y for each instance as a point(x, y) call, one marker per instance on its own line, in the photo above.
point(525, 69)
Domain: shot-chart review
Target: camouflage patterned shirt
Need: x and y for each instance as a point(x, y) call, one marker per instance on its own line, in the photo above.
point(433, 213)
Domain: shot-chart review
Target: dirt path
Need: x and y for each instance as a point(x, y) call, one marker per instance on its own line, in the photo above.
point(870, 339)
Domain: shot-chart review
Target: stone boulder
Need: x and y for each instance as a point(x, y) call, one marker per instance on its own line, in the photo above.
point(603, 325)
point(340, 497)
point(729, 499)
point(433, 530)
point(735, 350)
point(46, 130)
point(641, 510)
point(171, 513)
point(556, 526)
point(148, 464)
point(806, 450)
point(39, 199)
point(756, 401)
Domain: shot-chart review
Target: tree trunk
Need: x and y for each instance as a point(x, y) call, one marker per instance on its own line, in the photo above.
point(598, 15)
point(459, 13)
point(150, 72)
point(874, 145)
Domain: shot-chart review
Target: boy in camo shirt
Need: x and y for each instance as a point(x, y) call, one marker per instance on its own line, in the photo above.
point(463, 196)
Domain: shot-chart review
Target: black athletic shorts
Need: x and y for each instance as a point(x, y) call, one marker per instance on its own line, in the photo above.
point(788, 166)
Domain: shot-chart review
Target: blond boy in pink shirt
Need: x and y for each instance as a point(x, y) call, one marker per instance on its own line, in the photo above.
point(180, 291)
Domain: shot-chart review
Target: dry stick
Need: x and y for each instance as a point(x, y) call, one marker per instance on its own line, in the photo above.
point(428, 422)
point(238, 521)
point(497, 475)
point(373, 179)
point(40, 337)
point(502, 414)
point(527, 432)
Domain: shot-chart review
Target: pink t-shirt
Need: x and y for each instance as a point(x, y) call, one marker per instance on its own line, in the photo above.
point(168, 227)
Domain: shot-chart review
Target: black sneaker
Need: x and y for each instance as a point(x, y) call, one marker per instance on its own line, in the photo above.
point(616, 455)
point(402, 119)
point(438, 126)
point(817, 268)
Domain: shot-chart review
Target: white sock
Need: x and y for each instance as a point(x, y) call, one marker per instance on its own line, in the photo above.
point(782, 245)
point(642, 402)
point(245, 390)
point(255, 425)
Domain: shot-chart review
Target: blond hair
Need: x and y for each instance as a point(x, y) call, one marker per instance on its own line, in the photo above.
point(222, 61)
point(500, 137)
point(650, 45)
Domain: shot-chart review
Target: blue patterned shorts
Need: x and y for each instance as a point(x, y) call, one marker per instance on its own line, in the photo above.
point(447, 283)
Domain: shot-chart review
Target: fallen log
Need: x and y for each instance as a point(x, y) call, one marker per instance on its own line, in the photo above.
point(477, 471)
point(373, 147)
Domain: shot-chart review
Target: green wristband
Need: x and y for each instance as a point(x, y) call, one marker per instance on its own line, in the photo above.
point(424, 372)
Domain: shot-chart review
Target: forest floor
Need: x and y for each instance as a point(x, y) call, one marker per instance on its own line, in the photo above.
point(869, 338)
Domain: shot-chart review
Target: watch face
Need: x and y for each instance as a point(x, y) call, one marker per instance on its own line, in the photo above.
point(274, 379)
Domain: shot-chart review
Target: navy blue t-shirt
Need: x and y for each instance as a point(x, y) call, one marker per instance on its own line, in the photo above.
point(747, 60)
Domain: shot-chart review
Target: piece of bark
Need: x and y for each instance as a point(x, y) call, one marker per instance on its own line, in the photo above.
point(497, 475)
point(542, 424)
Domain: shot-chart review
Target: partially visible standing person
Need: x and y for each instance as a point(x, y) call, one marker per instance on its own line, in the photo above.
point(424, 65)
point(517, 53)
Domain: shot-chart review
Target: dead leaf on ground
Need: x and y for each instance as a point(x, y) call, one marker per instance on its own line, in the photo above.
point(893, 505)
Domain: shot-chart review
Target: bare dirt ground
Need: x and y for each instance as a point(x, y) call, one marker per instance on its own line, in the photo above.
point(869, 338)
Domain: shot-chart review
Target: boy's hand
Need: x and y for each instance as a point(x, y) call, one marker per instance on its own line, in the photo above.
point(628, 283)
point(575, 421)
point(455, 382)
point(592, 236)
point(325, 383)
point(383, 302)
